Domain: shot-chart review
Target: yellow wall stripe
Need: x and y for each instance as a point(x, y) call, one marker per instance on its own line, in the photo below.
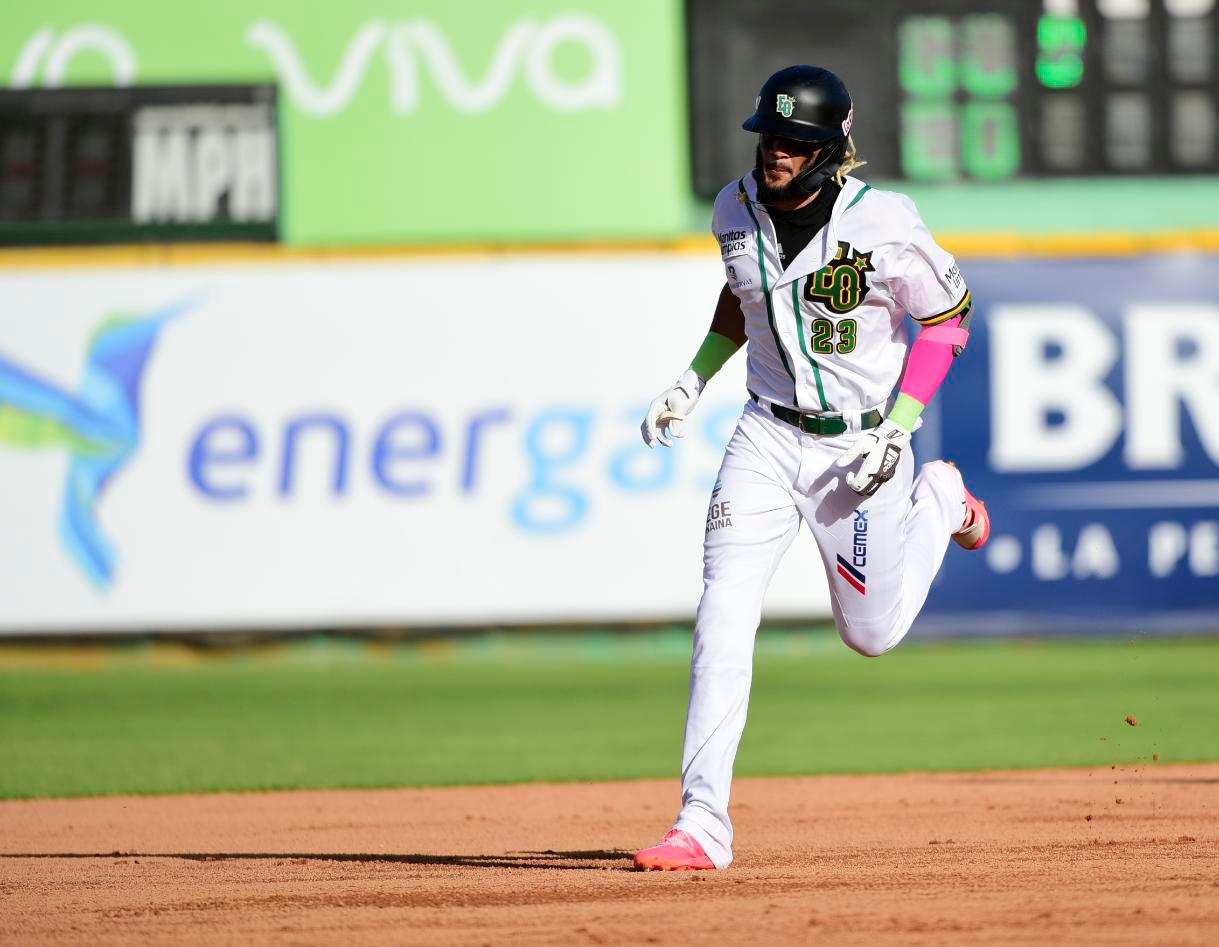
point(963, 245)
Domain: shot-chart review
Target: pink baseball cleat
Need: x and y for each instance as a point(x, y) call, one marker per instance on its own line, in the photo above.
point(677, 851)
point(975, 531)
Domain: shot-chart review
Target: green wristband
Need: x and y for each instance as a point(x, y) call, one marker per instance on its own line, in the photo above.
point(906, 411)
point(713, 354)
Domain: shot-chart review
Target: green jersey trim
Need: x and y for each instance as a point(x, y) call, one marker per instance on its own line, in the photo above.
point(770, 309)
point(858, 197)
point(804, 347)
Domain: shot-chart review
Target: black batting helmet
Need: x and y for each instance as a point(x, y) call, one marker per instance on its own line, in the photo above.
point(810, 104)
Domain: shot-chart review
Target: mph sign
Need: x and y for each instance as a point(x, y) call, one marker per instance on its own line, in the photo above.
point(1086, 413)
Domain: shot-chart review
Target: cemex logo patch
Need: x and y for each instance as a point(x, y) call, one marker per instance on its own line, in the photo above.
point(851, 569)
point(99, 425)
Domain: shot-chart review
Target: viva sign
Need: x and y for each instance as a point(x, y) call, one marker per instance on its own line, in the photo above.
point(410, 48)
point(373, 103)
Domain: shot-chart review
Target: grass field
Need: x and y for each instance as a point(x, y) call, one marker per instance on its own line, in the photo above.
point(334, 713)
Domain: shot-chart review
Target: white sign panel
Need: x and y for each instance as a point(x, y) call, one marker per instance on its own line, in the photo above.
point(396, 443)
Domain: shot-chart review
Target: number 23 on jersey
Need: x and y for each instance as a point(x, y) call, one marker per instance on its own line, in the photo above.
point(839, 286)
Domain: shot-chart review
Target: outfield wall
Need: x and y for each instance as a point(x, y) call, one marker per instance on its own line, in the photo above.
point(500, 121)
point(447, 441)
point(427, 442)
point(1084, 412)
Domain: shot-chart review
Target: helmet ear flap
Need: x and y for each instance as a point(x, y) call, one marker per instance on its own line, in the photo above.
point(828, 162)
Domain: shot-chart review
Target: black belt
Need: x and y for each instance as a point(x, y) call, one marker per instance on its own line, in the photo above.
point(826, 425)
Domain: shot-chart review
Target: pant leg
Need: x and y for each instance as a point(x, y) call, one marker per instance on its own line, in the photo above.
point(752, 520)
point(882, 552)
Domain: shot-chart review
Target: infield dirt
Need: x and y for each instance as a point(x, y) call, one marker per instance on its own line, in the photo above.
point(1113, 856)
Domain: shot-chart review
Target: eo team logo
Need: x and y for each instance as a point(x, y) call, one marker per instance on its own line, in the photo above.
point(842, 284)
point(785, 105)
point(99, 426)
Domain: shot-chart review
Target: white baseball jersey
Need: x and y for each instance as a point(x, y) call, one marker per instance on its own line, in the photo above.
point(827, 333)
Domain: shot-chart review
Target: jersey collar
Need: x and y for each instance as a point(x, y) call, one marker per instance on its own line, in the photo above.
point(821, 248)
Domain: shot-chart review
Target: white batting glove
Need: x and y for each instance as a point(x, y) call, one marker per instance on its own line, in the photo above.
point(669, 409)
point(880, 449)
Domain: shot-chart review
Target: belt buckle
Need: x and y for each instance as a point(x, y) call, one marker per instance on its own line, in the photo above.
point(825, 425)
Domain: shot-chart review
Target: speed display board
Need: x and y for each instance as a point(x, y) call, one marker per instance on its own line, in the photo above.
point(83, 165)
point(949, 90)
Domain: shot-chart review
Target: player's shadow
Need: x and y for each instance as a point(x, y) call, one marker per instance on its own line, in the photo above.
point(982, 779)
point(839, 502)
point(548, 860)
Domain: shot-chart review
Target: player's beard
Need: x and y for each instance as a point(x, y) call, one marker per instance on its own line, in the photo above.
point(772, 195)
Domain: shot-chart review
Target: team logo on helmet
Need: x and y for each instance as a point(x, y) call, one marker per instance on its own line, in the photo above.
point(848, 121)
point(785, 105)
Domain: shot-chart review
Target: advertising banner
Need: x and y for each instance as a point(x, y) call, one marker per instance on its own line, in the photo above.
point(419, 122)
point(456, 442)
point(1086, 413)
point(359, 444)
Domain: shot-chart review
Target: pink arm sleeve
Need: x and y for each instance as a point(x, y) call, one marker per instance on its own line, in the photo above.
point(931, 357)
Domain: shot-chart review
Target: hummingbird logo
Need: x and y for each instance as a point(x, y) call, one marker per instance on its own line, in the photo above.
point(99, 425)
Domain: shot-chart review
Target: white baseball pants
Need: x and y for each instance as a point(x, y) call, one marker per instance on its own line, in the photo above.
point(880, 555)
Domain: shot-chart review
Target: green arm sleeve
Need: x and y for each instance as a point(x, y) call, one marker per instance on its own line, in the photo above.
point(713, 354)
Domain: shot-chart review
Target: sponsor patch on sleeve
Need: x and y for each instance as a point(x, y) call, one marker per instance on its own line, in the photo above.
point(737, 280)
point(735, 242)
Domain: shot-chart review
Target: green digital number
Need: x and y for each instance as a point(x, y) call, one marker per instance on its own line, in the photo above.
point(929, 141)
point(988, 65)
point(1060, 51)
point(942, 137)
point(990, 139)
point(926, 59)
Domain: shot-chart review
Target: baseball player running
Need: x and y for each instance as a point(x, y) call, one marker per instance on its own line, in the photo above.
point(821, 272)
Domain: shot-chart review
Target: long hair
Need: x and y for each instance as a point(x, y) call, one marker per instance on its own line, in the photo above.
point(850, 161)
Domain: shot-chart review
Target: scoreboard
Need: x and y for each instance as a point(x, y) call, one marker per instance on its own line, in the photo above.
point(84, 165)
point(953, 90)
